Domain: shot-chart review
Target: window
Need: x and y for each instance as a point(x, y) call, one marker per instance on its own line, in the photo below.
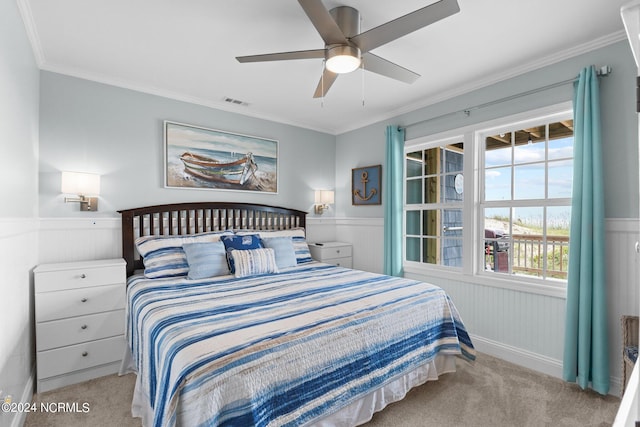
point(526, 202)
point(434, 204)
point(514, 221)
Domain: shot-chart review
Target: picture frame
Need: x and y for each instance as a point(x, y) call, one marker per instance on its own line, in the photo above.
point(365, 185)
point(197, 157)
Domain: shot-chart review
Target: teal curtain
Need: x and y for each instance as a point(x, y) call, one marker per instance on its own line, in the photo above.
point(392, 200)
point(586, 347)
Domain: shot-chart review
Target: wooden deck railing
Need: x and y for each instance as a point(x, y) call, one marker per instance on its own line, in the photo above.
point(528, 255)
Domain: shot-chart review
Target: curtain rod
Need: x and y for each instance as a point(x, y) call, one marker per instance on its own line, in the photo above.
point(601, 72)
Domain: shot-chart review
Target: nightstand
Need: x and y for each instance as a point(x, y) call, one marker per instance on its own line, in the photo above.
point(79, 310)
point(336, 253)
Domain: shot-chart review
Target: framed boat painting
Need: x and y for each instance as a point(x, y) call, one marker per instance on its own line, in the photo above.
point(203, 158)
point(365, 185)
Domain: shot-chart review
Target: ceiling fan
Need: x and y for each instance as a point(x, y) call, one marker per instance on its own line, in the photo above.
point(346, 49)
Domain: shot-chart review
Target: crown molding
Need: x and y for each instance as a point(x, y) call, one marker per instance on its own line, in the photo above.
point(36, 46)
point(177, 96)
point(32, 33)
point(43, 64)
point(493, 79)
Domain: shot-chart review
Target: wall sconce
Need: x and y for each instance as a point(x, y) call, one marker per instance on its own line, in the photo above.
point(324, 198)
point(84, 185)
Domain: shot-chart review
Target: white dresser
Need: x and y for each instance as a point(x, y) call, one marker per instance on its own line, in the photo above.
point(79, 310)
point(336, 253)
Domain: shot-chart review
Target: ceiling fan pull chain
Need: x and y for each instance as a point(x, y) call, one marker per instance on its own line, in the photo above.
point(324, 61)
point(362, 66)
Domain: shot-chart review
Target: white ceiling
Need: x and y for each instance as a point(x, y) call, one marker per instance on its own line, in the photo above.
point(186, 50)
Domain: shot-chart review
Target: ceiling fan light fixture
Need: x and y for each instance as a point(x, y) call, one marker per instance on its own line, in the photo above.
point(343, 59)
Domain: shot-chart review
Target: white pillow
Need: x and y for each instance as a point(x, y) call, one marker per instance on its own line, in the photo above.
point(252, 262)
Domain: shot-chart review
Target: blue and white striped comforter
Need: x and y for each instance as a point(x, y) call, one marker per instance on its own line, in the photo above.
point(281, 349)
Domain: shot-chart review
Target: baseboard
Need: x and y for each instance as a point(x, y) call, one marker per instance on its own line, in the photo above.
point(537, 362)
point(27, 396)
point(518, 356)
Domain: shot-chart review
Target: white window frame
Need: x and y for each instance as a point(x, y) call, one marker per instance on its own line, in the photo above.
point(420, 145)
point(545, 202)
point(472, 270)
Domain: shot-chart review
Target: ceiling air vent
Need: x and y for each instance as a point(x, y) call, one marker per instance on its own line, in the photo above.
point(235, 101)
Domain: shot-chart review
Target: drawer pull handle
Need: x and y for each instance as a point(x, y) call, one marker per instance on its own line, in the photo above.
point(84, 300)
point(83, 327)
point(83, 276)
point(337, 251)
point(85, 354)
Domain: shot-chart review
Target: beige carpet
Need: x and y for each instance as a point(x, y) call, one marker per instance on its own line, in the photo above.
point(490, 392)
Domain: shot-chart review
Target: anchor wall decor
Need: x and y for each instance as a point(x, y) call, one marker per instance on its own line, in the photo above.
point(365, 185)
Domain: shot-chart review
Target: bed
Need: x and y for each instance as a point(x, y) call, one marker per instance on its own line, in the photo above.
point(278, 340)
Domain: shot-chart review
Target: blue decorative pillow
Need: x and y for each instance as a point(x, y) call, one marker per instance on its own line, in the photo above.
point(253, 262)
point(283, 248)
point(240, 243)
point(206, 259)
point(163, 256)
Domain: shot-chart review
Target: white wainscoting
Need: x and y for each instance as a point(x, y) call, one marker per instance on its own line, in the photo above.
point(367, 237)
point(365, 234)
point(623, 282)
point(74, 239)
point(18, 252)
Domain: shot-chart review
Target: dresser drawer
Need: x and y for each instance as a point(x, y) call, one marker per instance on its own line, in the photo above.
point(74, 330)
point(80, 356)
point(81, 277)
point(78, 302)
point(329, 251)
point(346, 262)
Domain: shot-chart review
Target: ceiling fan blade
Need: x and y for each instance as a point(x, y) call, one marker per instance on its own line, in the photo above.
point(327, 79)
point(404, 25)
point(323, 21)
point(282, 56)
point(381, 66)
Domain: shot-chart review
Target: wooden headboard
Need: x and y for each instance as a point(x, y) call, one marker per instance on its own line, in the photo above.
point(193, 218)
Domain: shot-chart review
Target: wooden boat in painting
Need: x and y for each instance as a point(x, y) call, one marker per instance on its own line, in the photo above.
point(238, 171)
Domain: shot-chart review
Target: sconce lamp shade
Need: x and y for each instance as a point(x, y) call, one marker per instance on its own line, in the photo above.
point(324, 197)
point(85, 184)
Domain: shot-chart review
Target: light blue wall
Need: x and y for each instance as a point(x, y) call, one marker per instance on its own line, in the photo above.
point(19, 77)
point(365, 146)
point(118, 133)
point(92, 127)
